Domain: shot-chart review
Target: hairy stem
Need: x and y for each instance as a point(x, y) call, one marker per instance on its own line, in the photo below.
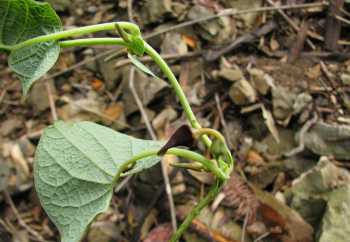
point(214, 190)
point(133, 28)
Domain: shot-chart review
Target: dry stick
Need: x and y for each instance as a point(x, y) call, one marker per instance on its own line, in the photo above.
point(291, 23)
point(213, 55)
point(19, 219)
point(333, 25)
point(259, 239)
point(3, 94)
point(303, 131)
point(154, 137)
point(51, 101)
point(130, 11)
point(222, 120)
point(230, 12)
point(139, 104)
point(298, 46)
point(328, 75)
point(342, 19)
point(244, 228)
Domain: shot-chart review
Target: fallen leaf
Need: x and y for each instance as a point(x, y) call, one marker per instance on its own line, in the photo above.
point(270, 123)
point(190, 41)
point(96, 84)
point(161, 233)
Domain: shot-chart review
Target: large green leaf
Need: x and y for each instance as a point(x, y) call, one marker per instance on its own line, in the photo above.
point(21, 20)
point(73, 170)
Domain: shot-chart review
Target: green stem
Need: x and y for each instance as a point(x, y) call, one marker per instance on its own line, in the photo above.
point(5, 47)
point(212, 132)
point(214, 190)
point(177, 88)
point(187, 154)
point(133, 28)
point(162, 65)
point(132, 161)
point(208, 164)
point(93, 41)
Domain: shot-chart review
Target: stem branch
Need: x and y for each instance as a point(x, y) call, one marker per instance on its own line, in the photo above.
point(133, 28)
point(187, 154)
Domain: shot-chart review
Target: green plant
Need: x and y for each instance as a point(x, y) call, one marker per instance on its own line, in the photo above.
point(77, 165)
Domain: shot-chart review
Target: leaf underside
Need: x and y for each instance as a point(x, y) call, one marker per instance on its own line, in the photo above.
point(21, 20)
point(74, 168)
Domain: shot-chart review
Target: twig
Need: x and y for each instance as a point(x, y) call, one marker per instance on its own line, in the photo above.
point(342, 19)
point(213, 55)
point(130, 11)
point(262, 236)
point(303, 131)
point(51, 101)
point(222, 120)
point(154, 137)
point(139, 103)
point(328, 75)
point(3, 94)
point(291, 23)
point(19, 219)
point(298, 46)
point(333, 25)
point(244, 228)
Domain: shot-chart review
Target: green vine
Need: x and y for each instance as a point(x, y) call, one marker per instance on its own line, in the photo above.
point(221, 163)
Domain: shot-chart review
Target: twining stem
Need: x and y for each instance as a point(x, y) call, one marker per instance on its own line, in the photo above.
point(213, 192)
point(207, 131)
point(133, 28)
point(208, 164)
point(177, 88)
point(187, 154)
point(93, 41)
point(162, 65)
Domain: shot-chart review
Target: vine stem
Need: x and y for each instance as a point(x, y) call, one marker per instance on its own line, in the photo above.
point(162, 65)
point(177, 88)
point(133, 28)
point(213, 192)
point(187, 154)
point(93, 41)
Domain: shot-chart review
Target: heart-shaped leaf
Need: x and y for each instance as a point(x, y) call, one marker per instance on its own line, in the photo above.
point(74, 168)
point(21, 20)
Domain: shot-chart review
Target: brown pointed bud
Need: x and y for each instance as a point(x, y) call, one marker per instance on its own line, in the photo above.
point(182, 137)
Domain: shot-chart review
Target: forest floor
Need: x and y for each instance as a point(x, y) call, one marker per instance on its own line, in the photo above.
point(274, 79)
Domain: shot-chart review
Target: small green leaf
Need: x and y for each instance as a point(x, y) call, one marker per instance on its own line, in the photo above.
point(74, 168)
point(141, 66)
point(21, 20)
